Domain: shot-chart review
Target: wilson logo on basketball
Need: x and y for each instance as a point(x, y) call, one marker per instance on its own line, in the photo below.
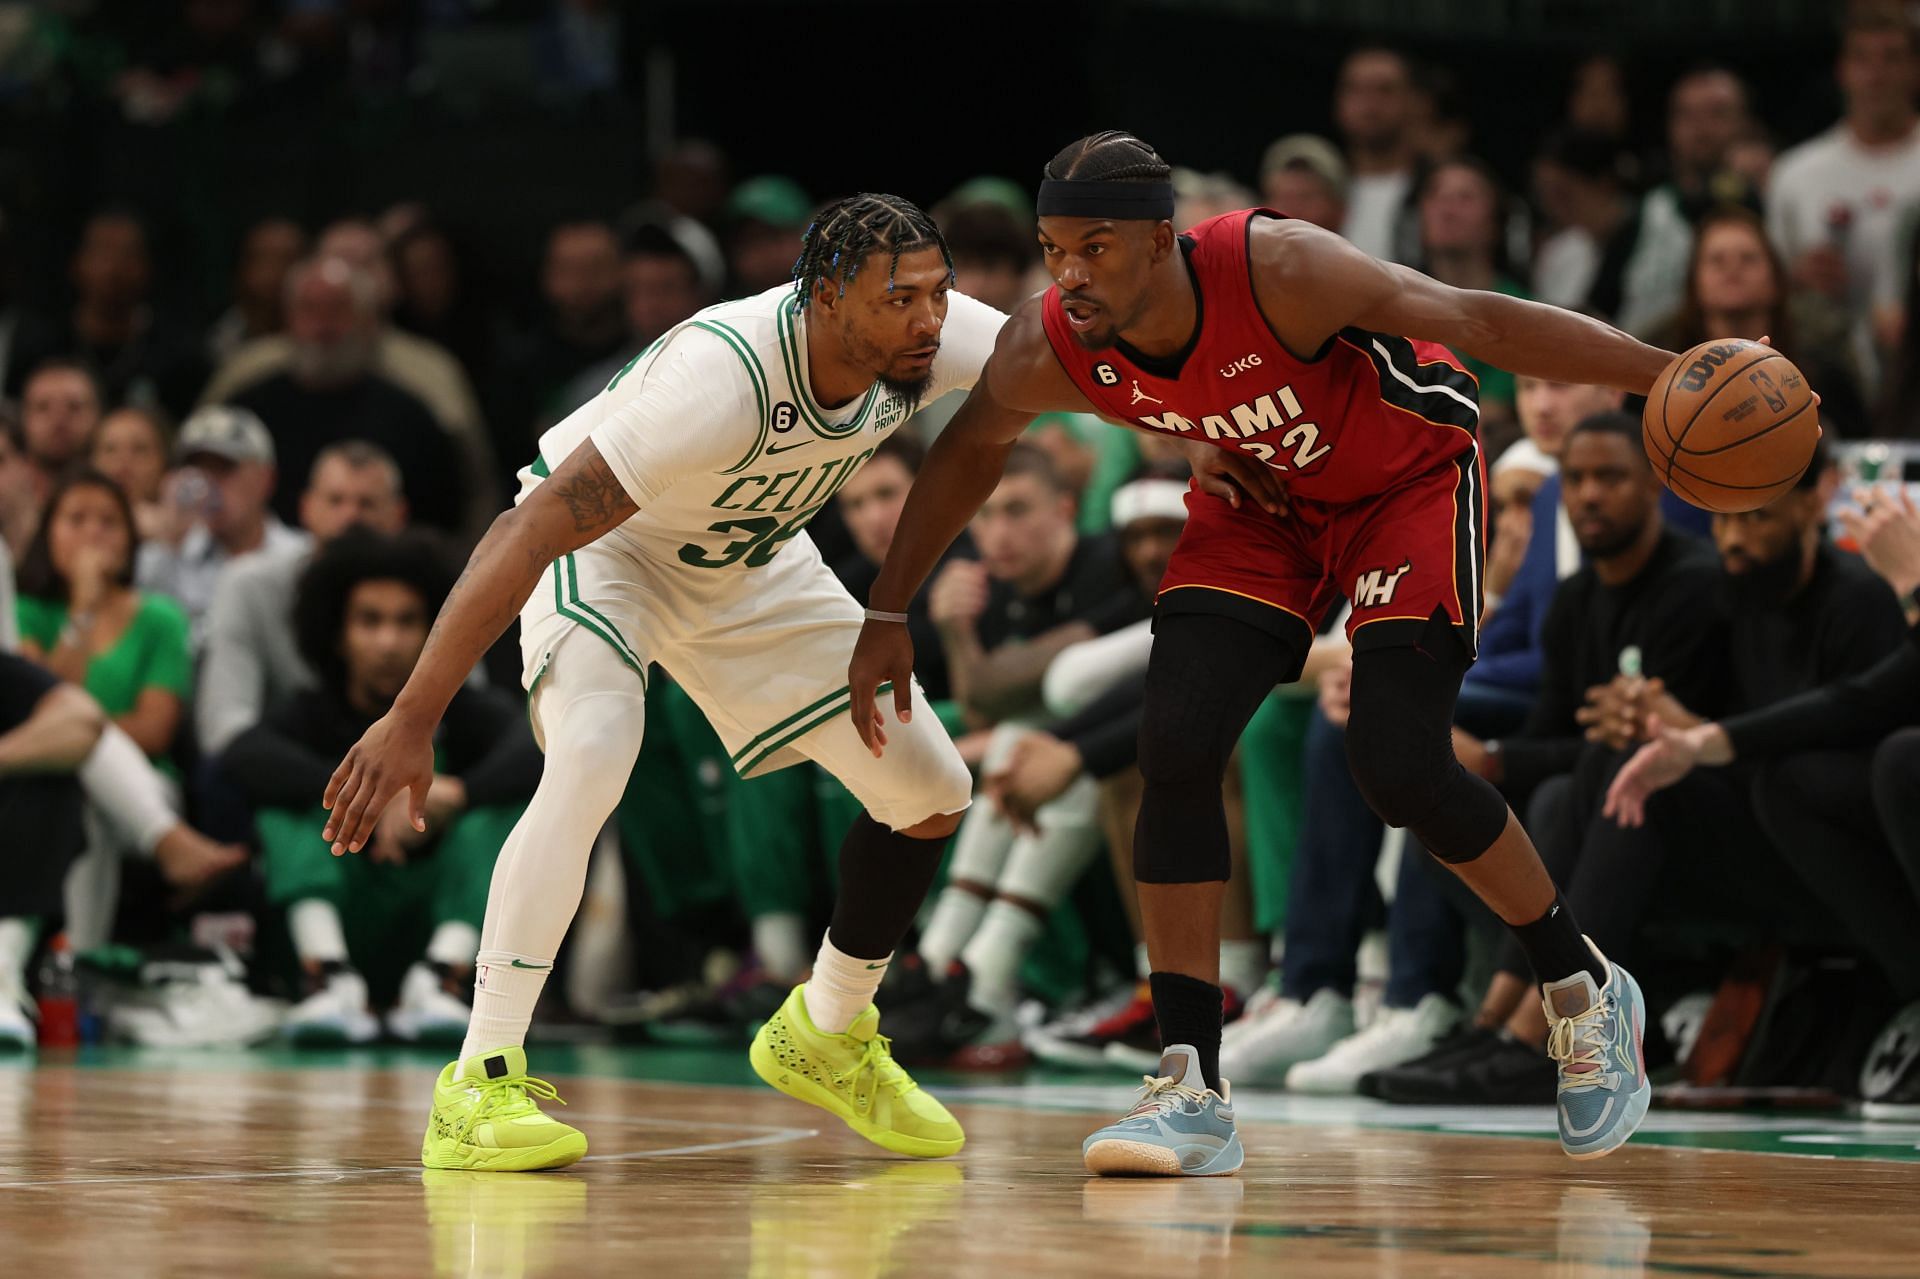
point(1702, 368)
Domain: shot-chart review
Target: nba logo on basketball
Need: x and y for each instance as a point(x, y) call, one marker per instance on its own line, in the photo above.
point(1763, 382)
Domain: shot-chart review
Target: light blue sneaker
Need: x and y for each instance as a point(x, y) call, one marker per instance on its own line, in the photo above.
point(1594, 1035)
point(1179, 1128)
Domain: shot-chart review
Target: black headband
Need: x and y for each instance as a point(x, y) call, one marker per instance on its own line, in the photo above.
point(1122, 201)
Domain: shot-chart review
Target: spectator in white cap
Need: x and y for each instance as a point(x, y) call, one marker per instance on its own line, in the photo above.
point(223, 487)
point(1304, 176)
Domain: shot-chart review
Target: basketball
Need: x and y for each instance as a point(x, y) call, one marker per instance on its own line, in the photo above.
point(1730, 425)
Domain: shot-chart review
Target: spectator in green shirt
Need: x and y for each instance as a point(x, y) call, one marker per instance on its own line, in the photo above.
point(81, 618)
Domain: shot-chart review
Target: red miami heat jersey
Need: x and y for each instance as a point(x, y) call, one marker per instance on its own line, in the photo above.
point(1369, 411)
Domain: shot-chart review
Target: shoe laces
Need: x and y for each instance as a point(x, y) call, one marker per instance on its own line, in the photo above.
point(1580, 1044)
point(1159, 1093)
point(506, 1099)
point(876, 1060)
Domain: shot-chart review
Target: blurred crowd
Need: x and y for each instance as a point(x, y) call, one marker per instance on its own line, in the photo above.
point(222, 544)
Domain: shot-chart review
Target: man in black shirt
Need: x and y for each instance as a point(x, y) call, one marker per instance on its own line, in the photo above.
point(1038, 587)
point(1836, 771)
point(1645, 603)
point(363, 612)
point(47, 729)
point(330, 392)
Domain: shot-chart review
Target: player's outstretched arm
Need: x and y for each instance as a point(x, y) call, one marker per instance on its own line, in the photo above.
point(580, 502)
point(1311, 284)
point(1020, 379)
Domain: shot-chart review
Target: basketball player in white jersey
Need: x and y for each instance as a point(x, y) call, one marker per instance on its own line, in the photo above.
point(662, 523)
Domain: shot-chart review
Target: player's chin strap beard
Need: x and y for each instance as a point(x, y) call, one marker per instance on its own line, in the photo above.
point(1121, 201)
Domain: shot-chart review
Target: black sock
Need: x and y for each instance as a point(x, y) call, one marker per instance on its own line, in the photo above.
point(1189, 1012)
point(884, 876)
point(1555, 947)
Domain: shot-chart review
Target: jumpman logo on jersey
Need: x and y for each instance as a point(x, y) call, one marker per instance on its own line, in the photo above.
point(1139, 395)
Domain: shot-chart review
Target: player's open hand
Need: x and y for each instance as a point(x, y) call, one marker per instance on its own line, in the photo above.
point(393, 755)
point(1235, 478)
point(882, 655)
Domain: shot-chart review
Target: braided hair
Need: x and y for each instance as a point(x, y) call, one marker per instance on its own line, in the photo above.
point(1112, 155)
point(845, 233)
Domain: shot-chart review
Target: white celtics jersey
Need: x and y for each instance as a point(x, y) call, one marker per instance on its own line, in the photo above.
point(715, 434)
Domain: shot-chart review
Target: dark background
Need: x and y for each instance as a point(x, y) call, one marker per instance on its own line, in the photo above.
point(838, 94)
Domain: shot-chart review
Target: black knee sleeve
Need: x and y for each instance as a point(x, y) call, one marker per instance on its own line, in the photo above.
point(1207, 676)
point(1400, 747)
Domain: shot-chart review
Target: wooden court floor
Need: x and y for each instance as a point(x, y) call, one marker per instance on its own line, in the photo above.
point(221, 1168)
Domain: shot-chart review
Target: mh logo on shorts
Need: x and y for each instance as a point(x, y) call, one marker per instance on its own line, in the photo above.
point(1376, 586)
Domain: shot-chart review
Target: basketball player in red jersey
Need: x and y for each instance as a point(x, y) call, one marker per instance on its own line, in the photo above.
point(1335, 453)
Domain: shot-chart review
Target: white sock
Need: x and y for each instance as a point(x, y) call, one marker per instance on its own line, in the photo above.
point(780, 940)
point(505, 989)
point(1142, 965)
point(956, 916)
point(1243, 965)
point(453, 943)
point(318, 937)
point(16, 943)
point(841, 987)
point(994, 955)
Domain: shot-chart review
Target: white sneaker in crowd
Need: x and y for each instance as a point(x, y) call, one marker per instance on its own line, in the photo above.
point(1291, 1033)
point(1396, 1037)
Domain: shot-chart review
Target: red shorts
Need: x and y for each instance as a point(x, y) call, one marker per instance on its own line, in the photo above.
point(1415, 550)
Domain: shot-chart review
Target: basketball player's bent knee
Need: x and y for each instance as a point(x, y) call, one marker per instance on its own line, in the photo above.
point(1400, 748)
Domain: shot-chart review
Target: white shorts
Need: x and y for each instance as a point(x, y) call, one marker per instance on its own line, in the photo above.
point(764, 654)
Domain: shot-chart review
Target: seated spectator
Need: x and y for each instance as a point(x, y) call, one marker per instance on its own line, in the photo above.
point(47, 728)
point(1851, 826)
point(267, 252)
point(670, 270)
point(1645, 602)
point(330, 389)
point(414, 901)
point(226, 461)
point(1580, 181)
point(993, 252)
point(1708, 109)
point(60, 406)
point(1304, 176)
point(1463, 229)
point(1841, 205)
point(82, 619)
point(112, 327)
point(132, 447)
point(422, 369)
point(1374, 107)
point(436, 297)
point(1736, 287)
point(250, 638)
point(581, 324)
point(1037, 588)
point(764, 216)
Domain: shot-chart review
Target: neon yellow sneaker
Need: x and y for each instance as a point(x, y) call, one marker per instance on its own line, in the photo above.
point(488, 1119)
point(854, 1077)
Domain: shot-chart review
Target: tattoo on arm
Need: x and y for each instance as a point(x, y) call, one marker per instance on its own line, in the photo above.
point(595, 498)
